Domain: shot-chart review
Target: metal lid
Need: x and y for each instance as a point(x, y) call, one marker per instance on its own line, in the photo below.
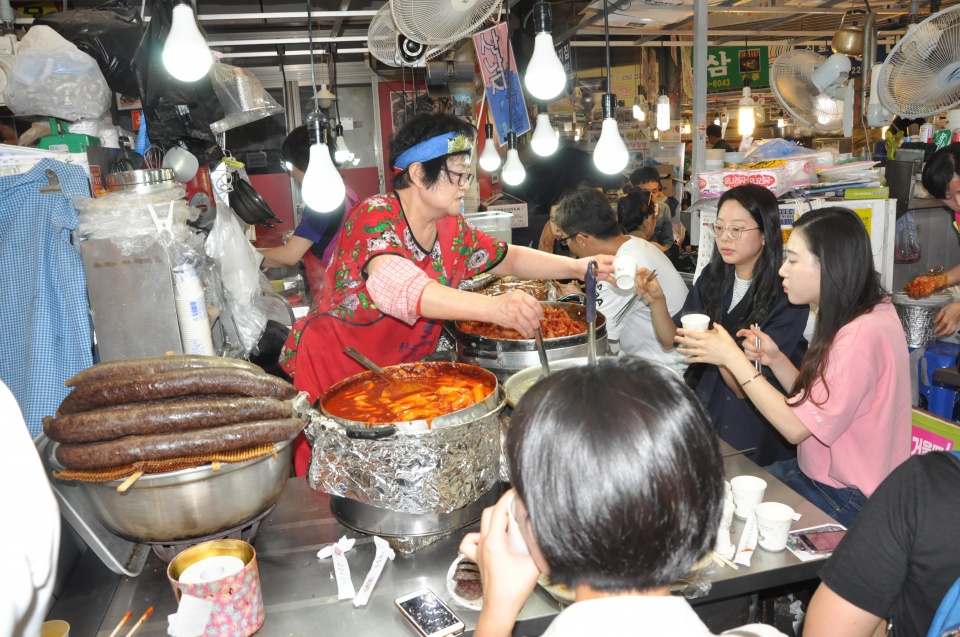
point(131, 179)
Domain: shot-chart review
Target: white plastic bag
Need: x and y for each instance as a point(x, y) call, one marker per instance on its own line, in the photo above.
point(52, 77)
point(227, 245)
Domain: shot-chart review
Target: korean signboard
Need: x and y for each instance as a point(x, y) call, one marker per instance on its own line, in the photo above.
point(506, 106)
point(727, 67)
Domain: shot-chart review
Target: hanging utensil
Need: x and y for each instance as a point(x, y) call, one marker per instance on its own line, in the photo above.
point(590, 283)
point(396, 387)
point(542, 350)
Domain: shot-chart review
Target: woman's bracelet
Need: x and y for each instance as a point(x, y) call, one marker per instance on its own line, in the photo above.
point(755, 377)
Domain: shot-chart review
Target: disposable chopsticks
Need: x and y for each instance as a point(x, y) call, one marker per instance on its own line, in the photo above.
point(140, 622)
point(120, 625)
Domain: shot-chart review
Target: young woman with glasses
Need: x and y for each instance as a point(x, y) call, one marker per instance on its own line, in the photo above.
point(848, 404)
point(394, 272)
point(740, 287)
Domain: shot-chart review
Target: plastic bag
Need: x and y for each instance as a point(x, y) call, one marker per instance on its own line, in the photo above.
point(241, 96)
point(907, 244)
point(109, 33)
point(228, 246)
point(53, 77)
point(124, 218)
point(175, 111)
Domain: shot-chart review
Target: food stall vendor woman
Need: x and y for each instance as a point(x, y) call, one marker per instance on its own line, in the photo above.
point(399, 259)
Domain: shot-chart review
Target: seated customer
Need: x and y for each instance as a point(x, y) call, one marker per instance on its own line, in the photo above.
point(715, 138)
point(848, 404)
point(899, 558)
point(647, 179)
point(589, 227)
point(618, 494)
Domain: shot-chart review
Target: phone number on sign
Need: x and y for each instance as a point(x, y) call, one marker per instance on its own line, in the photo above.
point(720, 83)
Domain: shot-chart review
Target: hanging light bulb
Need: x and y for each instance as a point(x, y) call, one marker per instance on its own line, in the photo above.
point(610, 155)
point(639, 112)
point(656, 133)
point(322, 189)
point(342, 153)
point(663, 110)
point(545, 139)
point(325, 98)
point(545, 77)
point(716, 118)
point(781, 120)
point(186, 55)
point(745, 117)
point(686, 127)
point(513, 171)
point(489, 158)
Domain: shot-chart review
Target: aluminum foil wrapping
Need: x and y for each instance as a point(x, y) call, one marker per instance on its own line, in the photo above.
point(916, 316)
point(433, 472)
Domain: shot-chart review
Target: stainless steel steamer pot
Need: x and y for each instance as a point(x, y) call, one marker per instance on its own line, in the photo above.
point(190, 503)
point(403, 480)
point(505, 357)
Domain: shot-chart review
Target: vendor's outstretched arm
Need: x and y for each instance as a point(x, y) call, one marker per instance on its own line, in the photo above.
point(528, 263)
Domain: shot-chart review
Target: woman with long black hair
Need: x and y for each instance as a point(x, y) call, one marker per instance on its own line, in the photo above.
point(848, 404)
point(740, 287)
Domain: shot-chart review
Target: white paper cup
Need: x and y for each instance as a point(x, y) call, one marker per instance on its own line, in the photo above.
point(194, 325)
point(747, 494)
point(515, 540)
point(625, 271)
point(773, 525)
point(695, 322)
point(55, 628)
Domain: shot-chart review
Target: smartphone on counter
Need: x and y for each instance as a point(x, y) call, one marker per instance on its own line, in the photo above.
point(430, 616)
point(820, 542)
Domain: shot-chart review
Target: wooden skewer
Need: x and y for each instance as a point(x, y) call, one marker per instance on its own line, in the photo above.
point(120, 625)
point(723, 560)
point(126, 484)
point(140, 622)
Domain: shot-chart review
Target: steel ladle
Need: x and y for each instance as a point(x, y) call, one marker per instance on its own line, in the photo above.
point(396, 387)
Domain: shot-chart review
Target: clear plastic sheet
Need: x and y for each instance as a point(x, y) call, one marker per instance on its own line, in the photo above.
point(51, 76)
point(433, 472)
point(242, 97)
point(124, 218)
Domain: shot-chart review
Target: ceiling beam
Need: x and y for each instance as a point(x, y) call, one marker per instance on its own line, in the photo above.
point(588, 21)
point(338, 22)
point(778, 22)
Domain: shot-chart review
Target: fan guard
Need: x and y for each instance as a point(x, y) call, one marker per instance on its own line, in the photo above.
point(438, 22)
point(384, 40)
point(921, 75)
point(791, 78)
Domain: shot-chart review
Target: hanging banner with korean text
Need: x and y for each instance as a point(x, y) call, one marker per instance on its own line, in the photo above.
point(506, 106)
point(727, 66)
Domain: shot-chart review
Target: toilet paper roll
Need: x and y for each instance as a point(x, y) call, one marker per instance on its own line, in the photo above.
point(210, 569)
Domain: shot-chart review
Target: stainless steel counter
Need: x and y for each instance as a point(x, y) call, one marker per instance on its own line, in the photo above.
point(300, 593)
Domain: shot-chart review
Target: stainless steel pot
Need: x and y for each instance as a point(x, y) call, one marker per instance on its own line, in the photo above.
point(426, 472)
point(518, 384)
point(190, 503)
point(506, 357)
point(358, 429)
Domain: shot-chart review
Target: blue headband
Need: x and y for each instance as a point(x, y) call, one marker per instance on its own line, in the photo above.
point(432, 148)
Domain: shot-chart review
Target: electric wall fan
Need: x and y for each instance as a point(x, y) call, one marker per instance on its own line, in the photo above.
point(8, 50)
point(815, 90)
point(393, 48)
point(921, 75)
point(437, 22)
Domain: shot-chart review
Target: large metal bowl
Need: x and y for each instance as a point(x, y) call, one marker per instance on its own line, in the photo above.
point(505, 357)
point(190, 503)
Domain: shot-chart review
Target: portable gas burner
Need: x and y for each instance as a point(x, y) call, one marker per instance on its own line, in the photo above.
point(247, 532)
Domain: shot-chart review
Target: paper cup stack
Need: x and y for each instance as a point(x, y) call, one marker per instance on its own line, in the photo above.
point(192, 312)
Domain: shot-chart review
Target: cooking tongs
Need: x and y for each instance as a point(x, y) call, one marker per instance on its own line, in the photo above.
point(590, 283)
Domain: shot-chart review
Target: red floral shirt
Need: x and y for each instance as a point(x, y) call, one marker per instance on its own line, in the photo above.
point(378, 226)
